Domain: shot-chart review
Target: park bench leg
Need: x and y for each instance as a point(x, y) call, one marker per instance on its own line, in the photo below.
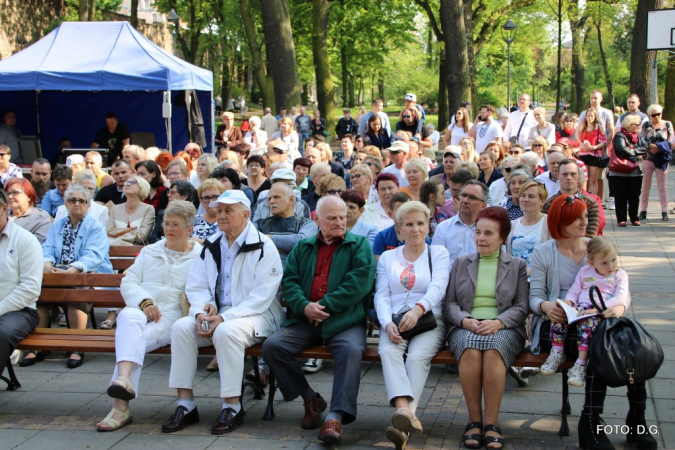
point(566, 409)
point(92, 317)
point(12, 382)
point(258, 390)
point(269, 412)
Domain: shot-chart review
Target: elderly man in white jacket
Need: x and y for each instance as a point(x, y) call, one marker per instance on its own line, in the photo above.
point(231, 290)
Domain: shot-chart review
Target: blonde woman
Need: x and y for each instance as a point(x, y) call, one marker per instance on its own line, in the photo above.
point(362, 179)
point(468, 150)
point(542, 128)
point(256, 137)
point(130, 223)
point(416, 173)
point(290, 137)
point(593, 144)
point(205, 165)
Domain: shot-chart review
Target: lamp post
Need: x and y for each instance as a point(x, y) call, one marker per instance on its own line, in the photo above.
point(175, 20)
point(508, 35)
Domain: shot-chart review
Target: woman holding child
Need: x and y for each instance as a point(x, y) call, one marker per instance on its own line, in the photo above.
point(555, 265)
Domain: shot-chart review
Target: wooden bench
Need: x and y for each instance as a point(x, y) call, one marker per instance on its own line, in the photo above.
point(123, 256)
point(70, 288)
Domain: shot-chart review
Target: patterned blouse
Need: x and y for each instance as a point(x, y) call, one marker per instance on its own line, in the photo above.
point(203, 229)
point(154, 201)
point(69, 236)
point(654, 136)
point(437, 218)
point(514, 210)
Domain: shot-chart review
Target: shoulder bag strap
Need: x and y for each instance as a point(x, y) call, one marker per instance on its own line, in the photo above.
point(521, 124)
point(431, 268)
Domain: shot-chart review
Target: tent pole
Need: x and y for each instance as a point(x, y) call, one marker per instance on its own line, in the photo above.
point(37, 112)
point(169, 134)
point(213, 126)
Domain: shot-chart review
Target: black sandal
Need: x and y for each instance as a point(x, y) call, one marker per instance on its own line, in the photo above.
point(492, 439)
point(473, 437)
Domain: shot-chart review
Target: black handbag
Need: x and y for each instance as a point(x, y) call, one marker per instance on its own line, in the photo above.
point(426, 322)
point(621, 351)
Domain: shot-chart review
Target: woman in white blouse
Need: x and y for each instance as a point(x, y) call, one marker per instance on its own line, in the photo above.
point(411, 280)
point(256, 137)
point(542, 128)
point(459, 128)
point(131, 222)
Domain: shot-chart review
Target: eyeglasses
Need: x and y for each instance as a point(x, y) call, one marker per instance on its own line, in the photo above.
point(131, 183)
point(570, 199)
point(254, 166)
point(207, 198)
point(537, 145)
point(356, 176)
point(508, 169)
point(334, 191)
point(471, 197)
point(656, 115)
point(406, 117)
point(14, 193)
point(172, 226)
point(73, 201)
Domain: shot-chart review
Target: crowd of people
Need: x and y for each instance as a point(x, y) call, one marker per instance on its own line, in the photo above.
point(457, 255)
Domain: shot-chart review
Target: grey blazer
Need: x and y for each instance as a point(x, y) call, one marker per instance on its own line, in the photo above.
point(511, 291)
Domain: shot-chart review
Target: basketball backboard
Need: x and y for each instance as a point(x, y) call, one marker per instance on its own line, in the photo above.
point(661, 29)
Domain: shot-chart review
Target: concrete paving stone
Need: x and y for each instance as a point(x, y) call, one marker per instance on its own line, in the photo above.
point(33, 380)
point(77, 382)
point(14, 438)
point(71, 440)
point(257, 444)
point(144, 407)
point(666, 434)
point(162, 442)
point(58, 403)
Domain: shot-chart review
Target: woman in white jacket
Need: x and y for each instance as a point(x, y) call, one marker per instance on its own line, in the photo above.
point(411, 281)
point(151, 289)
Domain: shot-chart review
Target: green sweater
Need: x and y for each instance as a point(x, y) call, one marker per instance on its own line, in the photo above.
point(350, 283)
point(485, 303)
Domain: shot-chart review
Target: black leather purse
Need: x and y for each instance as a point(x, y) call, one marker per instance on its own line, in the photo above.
point(426, 322)
point(621, 351)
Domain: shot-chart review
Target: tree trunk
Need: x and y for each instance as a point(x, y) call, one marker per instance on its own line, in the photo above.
point(430, 48)
point(443, 109)
point(134, 13)
point(304, 95)
point(577, 22)
point(641, 61)
point(669, 96)
point(86, 10)
point(456, 56)
point(345, 74)
point(382, 90)
point(264, 80)
point(281, 52)
point(324, 78)
point(352, 101)
point(605, 67)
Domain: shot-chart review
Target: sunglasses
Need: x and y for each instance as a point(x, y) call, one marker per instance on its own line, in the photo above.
point(131, 183)
point(569, 200)
point(278, 152)
point(656, 115)
point(514, 152)
point(406, 117)
point(334, 191)
point(74, 201)
point(508, 169)
point(3, 154)
point(537, 145)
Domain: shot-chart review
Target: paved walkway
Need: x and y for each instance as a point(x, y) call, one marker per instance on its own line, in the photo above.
point(57, 408)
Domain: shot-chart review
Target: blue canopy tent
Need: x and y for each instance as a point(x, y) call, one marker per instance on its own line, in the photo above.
point(63, 85)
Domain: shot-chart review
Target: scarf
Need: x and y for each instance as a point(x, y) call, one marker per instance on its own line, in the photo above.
point(632, 136)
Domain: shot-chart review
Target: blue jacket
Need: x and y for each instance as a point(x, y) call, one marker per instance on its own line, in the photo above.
point(51, 202)
point(91, 246)
point(662, 159)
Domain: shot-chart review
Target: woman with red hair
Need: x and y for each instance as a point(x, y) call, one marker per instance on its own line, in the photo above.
point(21, 199)
point(485, 308)
point(163, 160)
point(553, 267)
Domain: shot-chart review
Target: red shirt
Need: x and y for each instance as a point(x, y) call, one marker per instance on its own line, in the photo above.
point(323, 263)
point(155, 200)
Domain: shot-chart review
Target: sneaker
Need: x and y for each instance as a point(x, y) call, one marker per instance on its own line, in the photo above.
point(312, 365)
point(527, 372)
point(550, 367)
point(577, 375)
point(610, 203)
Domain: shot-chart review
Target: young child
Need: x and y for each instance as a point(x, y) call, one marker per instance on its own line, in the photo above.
point(602, 272)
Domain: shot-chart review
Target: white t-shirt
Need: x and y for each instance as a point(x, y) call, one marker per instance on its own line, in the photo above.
point(516, 118)
point(456, 134)
point(523, 239)
point(400, 174)
point(485, 133)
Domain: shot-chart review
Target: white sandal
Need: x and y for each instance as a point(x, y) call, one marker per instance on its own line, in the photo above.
point(122, 389)
point(115, 424)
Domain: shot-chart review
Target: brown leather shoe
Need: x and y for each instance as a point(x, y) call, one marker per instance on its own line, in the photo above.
point(264, 376)
point(313, 409)
point(179, 419)
point(331, 432)
point(227, 421)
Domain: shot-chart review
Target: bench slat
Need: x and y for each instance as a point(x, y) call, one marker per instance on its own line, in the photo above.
point(128, 251)
point(122, 264)
point(96, 296)
point(81, 280)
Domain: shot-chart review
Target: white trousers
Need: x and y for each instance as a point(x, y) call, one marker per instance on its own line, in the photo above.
point(135, 337)
point(231, 339)
point(407, 378)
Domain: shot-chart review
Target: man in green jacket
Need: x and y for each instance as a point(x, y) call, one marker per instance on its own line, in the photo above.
point(328, 280)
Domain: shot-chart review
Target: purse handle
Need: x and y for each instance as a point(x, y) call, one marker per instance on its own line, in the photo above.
point(596, 290)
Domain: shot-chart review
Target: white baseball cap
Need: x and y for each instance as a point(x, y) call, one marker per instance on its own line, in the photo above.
point(411, 97)
point(283, 174)
point(74, 159)
point(231, 197)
